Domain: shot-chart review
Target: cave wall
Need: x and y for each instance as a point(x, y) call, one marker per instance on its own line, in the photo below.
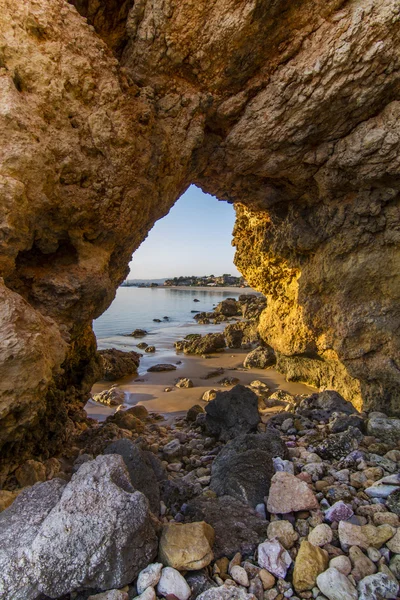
point(109, 110)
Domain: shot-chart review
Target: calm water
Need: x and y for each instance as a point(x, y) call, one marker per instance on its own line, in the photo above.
point(137, 307)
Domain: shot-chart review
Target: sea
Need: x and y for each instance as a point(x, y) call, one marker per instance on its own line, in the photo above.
point(135, 308)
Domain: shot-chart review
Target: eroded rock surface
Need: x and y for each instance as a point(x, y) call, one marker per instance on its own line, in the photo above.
point(106, 119)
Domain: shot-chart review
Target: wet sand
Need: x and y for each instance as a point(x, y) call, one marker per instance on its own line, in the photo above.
point(148, 388)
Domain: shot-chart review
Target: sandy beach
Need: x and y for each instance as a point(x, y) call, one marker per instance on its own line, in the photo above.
point(148, 388)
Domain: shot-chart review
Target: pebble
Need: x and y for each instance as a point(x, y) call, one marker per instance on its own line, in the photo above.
point(394, 543)
point(267, 579)
point(172, 582)
point(148, 594)
point(289, 494)
point(362, 565)
point(341, 563)
point(273, 557)
point(339, 512)
point(378, 587)
point(320, 535)
point(149, 577)
point(284, 532)
point(336, 586)
point(239, 575)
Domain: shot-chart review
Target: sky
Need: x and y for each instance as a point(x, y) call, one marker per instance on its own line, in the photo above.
point(193, 239)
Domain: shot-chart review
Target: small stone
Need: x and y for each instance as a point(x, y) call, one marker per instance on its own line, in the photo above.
point(148, 594)
point(283, 531)
point(394, 565)
point(225, 592)
point(386, 518)
point(393, 502)
point(110, 595)
point(209, 395)
point(172, 582)
point(273, 557)
point(283, 465)
point(339, 512)
point(384, 428)
point(289, 494)
point(267, 579)
point(362, 565)
point(378, 587)
point(341, 563)
point(335, 586)
point(149, 577)
point(184, 382)
point(239, 575)
point(364, 536)
point(380, 491)
point(310, 562)
point(187, 547)
point(320, 535)
point(161, 367)
point(394, 543)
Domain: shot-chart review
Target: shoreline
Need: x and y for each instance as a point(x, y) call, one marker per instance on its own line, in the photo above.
point(186, 288)
point(147, 389)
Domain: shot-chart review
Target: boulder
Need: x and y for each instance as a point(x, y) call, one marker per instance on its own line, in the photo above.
point(232, 413)
point(111, 397)
point(311, 561)
point(206, 344)
point(186, 547)
point(184, 382)
point(260, 358)
point(237, 527)
point(386, 429)
point(57, 538)
point(161, 367)
point(19, 526)
point(339, 445)
point(290, 494)
point(117, 364)
point(141, 469)
point(228, 307)
point(139, 411)
point(234, 335)
point(321, 406)
point(138, 333)
point(126, 420)
point(244, 467)
point(193, 413)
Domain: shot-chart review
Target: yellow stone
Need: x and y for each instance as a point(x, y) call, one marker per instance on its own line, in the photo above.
point(310, 562)
point(187, 546)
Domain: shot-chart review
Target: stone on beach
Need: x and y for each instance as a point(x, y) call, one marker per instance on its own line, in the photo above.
point(225, 592)
point(289, 494)
point(110, 595)
point(339, 512)
point(117, 364)
point(184, 382)
point(260, 358)
point(243, 469)
point(284, 532)
point(310, 562)
point(273, 557)
point(385, 428)
point(161, 367)
point(232, 413)
point(187, 547)
point(379, 586)
point(149, 577)
point(335, 586)
point(322, 534)
point(96, 519)
point(172, 583)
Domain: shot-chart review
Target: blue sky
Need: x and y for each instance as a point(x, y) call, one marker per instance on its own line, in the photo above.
point(193, 239)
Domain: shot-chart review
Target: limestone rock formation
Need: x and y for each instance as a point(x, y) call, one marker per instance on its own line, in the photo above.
point(110, 110)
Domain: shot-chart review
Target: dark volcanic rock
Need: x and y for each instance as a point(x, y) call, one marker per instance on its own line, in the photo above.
point(237, 527)
point(343, 422)
point(243, 469)
point(117, 364)
point(232, 413)
point(140, 469)
point(193, 412)
point(260, 358)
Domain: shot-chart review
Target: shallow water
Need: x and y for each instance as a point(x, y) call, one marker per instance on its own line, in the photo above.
point(135, 308)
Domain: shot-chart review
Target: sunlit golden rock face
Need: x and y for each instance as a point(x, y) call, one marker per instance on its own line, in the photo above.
point(109, 110)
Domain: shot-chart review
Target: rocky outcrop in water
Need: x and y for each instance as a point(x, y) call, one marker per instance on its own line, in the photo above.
point(110, 110)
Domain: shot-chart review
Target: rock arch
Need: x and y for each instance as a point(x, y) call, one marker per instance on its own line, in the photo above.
point(288, 110)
